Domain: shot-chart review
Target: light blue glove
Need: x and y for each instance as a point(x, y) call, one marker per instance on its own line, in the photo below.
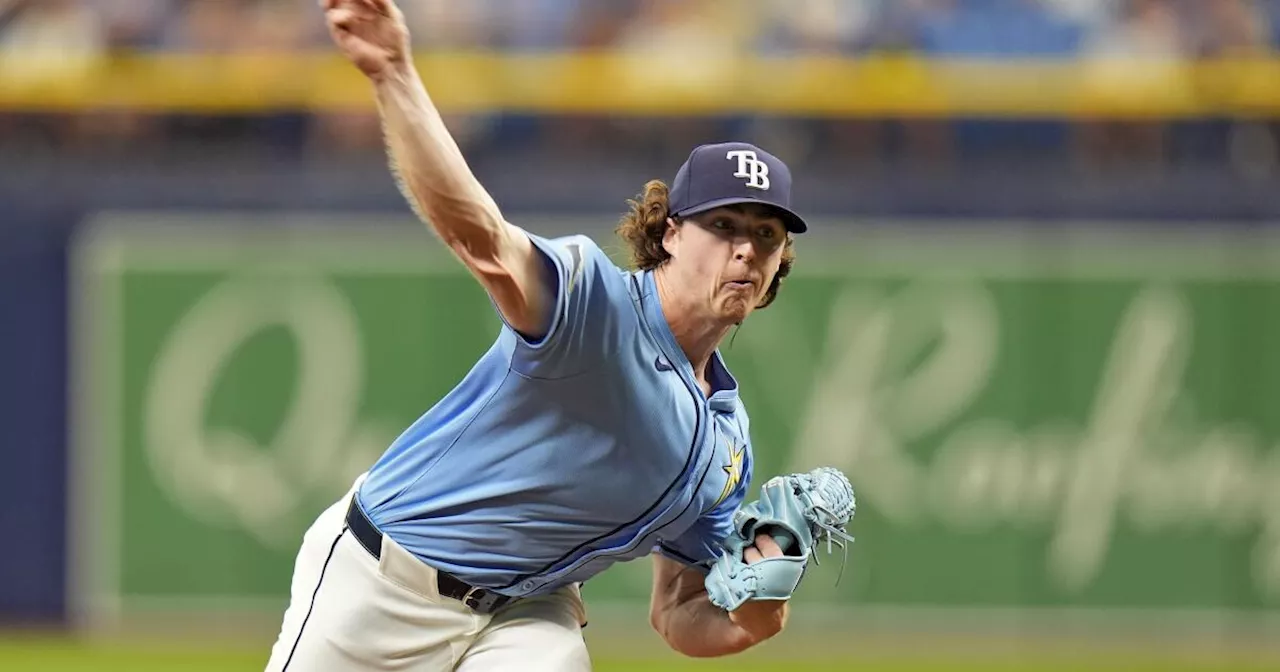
point(798, 511)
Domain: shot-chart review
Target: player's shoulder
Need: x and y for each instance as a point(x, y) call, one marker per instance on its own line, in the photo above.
point(586, 269)
point(575, 250)
point(581, 241)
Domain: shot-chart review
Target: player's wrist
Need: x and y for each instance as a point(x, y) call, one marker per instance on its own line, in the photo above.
point(398, 73)
point(760, 619)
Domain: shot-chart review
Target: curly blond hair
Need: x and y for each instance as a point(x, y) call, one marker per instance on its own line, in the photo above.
point(645, 224)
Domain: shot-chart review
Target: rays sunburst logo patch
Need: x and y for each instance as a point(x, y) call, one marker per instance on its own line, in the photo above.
point(733, 469)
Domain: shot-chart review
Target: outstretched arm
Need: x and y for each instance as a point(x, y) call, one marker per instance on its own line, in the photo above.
point(431, 171)
point(687, 620)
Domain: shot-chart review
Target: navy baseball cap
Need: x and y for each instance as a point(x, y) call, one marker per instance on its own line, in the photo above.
point(728, 173)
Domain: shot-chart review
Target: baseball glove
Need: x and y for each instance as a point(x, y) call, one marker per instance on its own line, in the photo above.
point(799, 511)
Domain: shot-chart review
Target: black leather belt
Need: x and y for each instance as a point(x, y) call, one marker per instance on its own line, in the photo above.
point(481, 600)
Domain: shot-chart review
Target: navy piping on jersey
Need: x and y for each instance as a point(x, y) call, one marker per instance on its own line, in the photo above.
point(632, 544)
point(678, 555)
point(706, 470)
point(702, 479)
point(693, 449)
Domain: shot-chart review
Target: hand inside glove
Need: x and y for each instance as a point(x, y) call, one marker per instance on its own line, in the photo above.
point(795, 512)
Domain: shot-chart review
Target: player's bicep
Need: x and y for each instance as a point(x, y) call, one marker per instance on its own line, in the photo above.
point(518, 277)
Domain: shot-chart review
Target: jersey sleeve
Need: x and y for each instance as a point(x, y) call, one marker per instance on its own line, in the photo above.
point(700, 545)
point(591, 298)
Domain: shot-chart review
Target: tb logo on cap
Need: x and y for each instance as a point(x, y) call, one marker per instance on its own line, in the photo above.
point(751, 167)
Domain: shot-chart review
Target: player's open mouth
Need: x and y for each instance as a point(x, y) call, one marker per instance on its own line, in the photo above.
point(740, 284)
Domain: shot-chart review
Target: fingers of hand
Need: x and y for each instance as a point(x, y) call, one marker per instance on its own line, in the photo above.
point(328, 5)
point(341, 17)
point(764, 547)
point(768, 547)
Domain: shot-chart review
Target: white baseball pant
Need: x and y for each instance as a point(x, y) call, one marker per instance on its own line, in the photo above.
point(349, 611)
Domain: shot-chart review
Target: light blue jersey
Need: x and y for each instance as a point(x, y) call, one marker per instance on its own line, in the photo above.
point(553, 460)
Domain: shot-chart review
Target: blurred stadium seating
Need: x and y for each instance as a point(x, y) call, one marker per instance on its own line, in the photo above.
point(1065, 210)
point(1206, 64)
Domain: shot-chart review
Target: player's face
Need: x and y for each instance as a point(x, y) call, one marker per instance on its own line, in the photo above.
point(729, 256)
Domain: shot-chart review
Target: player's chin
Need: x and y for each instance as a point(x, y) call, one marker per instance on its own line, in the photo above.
point(735, 309)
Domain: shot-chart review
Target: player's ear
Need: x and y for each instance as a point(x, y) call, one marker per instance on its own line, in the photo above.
point(669, 235)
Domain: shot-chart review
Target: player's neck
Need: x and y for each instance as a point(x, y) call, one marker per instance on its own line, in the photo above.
point(697, 334)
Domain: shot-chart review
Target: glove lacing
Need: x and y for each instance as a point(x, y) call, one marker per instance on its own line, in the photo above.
point(831, 504)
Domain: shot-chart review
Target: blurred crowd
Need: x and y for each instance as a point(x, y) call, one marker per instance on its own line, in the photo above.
point(970, 27)
point(65, 30)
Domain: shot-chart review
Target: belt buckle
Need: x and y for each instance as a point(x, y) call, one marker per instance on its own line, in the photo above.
point(472, 601)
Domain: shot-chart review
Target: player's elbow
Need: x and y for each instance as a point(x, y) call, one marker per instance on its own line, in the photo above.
point(476, 237)
point(659, 620)
point(465, 218)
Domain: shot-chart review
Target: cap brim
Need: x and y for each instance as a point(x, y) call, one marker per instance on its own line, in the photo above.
point(793, 222)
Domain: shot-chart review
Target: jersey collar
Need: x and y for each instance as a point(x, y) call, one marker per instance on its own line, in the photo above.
point(725, 397)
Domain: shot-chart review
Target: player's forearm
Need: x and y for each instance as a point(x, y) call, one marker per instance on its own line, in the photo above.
point(699, 629)
point(428, 164)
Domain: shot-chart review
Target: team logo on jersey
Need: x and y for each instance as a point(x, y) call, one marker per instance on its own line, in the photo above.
point(751, 167)
point(733, 469)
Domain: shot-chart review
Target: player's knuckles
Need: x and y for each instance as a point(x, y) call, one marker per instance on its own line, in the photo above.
point(341, 17)
point(768, 547)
